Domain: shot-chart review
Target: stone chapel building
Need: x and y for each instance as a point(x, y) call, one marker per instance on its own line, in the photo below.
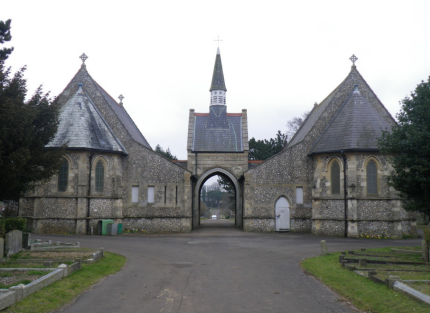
point(330, 179)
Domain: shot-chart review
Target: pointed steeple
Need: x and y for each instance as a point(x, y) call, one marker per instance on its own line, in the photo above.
point(218, 82)
point(218, 89)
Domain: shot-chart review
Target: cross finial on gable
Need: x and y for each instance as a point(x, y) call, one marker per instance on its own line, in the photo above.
point(120, 99)
point(353, 59)
point(83, 57)
point(218, 41)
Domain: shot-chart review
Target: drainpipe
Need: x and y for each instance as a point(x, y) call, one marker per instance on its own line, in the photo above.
point(344, 193)
point(89, 193)
point(194, 192)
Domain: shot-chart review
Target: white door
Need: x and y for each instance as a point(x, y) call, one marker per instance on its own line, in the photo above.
point(282, 212)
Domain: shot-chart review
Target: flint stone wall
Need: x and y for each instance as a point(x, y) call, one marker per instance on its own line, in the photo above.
point(157, 225)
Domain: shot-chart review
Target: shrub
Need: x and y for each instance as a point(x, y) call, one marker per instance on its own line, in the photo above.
point(12, 223)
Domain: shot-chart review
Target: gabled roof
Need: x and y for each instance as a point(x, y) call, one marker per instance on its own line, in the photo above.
point(218, 82)
point(322, 114)
point(217, 131)
point(124, 117)
point(95, 90)
point(355, 126)
point(83, 127)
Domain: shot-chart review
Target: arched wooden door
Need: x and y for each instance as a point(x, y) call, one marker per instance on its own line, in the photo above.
point(282, 213)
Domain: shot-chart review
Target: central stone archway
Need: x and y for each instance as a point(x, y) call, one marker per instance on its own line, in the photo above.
point(198, 186)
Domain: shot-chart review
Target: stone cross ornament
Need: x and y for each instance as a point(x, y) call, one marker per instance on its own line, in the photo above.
point(353, 59)
point(120, 98)
point(83, 57)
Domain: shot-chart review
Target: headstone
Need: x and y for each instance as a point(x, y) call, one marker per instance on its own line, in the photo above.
point(362, 262)
point(1, 248)
point(351, 252)
point(425, 250)
point(26, 240)
point(323, 247)
point(13, 242)
point(341, 257)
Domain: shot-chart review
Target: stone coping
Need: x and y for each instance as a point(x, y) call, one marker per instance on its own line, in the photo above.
point(17, 293)
point(411, 292)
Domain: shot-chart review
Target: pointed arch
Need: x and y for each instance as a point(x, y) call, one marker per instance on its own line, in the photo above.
point(63, 176)
point(100, 176)
point(200, 182)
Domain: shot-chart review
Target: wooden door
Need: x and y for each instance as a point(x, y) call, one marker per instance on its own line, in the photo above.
point(282, 212)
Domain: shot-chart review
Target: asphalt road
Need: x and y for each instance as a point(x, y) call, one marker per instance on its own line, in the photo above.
point(217, 268)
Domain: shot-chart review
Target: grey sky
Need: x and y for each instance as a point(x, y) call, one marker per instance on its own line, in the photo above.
point(279, 57)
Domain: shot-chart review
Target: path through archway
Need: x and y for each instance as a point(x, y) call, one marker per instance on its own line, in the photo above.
point(197, 203)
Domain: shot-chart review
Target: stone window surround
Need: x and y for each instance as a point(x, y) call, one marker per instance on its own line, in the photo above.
point(328, 175)
point(66, 159)
point(379, 173)
point(93, 175)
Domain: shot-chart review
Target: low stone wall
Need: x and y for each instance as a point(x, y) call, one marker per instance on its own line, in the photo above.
point(259, 225)
point(17, 293)
point(158, 225)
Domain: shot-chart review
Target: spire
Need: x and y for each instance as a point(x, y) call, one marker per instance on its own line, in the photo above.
point(218, 75)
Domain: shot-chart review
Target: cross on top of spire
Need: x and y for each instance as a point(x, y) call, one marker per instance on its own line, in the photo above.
point(353, 59)
point(218, 41)
point(83, 57)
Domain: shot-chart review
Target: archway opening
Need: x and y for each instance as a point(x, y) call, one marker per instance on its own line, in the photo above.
point(217, 201)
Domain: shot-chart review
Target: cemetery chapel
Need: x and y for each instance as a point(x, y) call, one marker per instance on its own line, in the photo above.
point(329, 179)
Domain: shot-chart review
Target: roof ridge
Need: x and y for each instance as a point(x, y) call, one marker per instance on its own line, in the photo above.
point(122, 108)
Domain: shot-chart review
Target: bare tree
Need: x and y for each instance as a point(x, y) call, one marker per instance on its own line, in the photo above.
point(294, 124)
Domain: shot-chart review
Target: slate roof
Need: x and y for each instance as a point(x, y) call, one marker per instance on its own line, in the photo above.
point(217, 131)
point(340, 95)
point(83, 127)
point(124, 117)
point(218, 82)
point(355, 126)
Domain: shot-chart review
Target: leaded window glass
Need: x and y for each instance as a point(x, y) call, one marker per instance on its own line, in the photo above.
point(335, 178)
point(63, 176)
point(371, 174)
point(100, 176)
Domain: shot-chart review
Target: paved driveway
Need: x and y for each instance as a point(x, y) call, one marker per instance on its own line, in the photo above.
point(217, 268)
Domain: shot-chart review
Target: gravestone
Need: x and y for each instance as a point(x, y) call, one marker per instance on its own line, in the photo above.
point(26, 240)
point(362, 262)
point(425, 250)
point(323, 247)
point(1, 248)
point(13, 242)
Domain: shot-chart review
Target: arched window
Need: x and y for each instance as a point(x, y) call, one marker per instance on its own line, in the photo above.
point(371, 174)
point(335, 177)
point(63, 176)
point(100, 176)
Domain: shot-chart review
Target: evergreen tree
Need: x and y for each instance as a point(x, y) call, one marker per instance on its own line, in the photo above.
point(228, 187)
point(5, 36)
point(26, 127)
point(166, 154)
point(408, 145)
point(264, 149)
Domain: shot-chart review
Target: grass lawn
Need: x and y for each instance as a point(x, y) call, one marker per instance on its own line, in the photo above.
point(65, 290)
point(360, 291)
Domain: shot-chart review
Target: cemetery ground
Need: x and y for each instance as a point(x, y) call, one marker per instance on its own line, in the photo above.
point(219, 268)
point(63, 291)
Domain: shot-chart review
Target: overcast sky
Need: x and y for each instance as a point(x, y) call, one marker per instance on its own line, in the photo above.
point(279, 57)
